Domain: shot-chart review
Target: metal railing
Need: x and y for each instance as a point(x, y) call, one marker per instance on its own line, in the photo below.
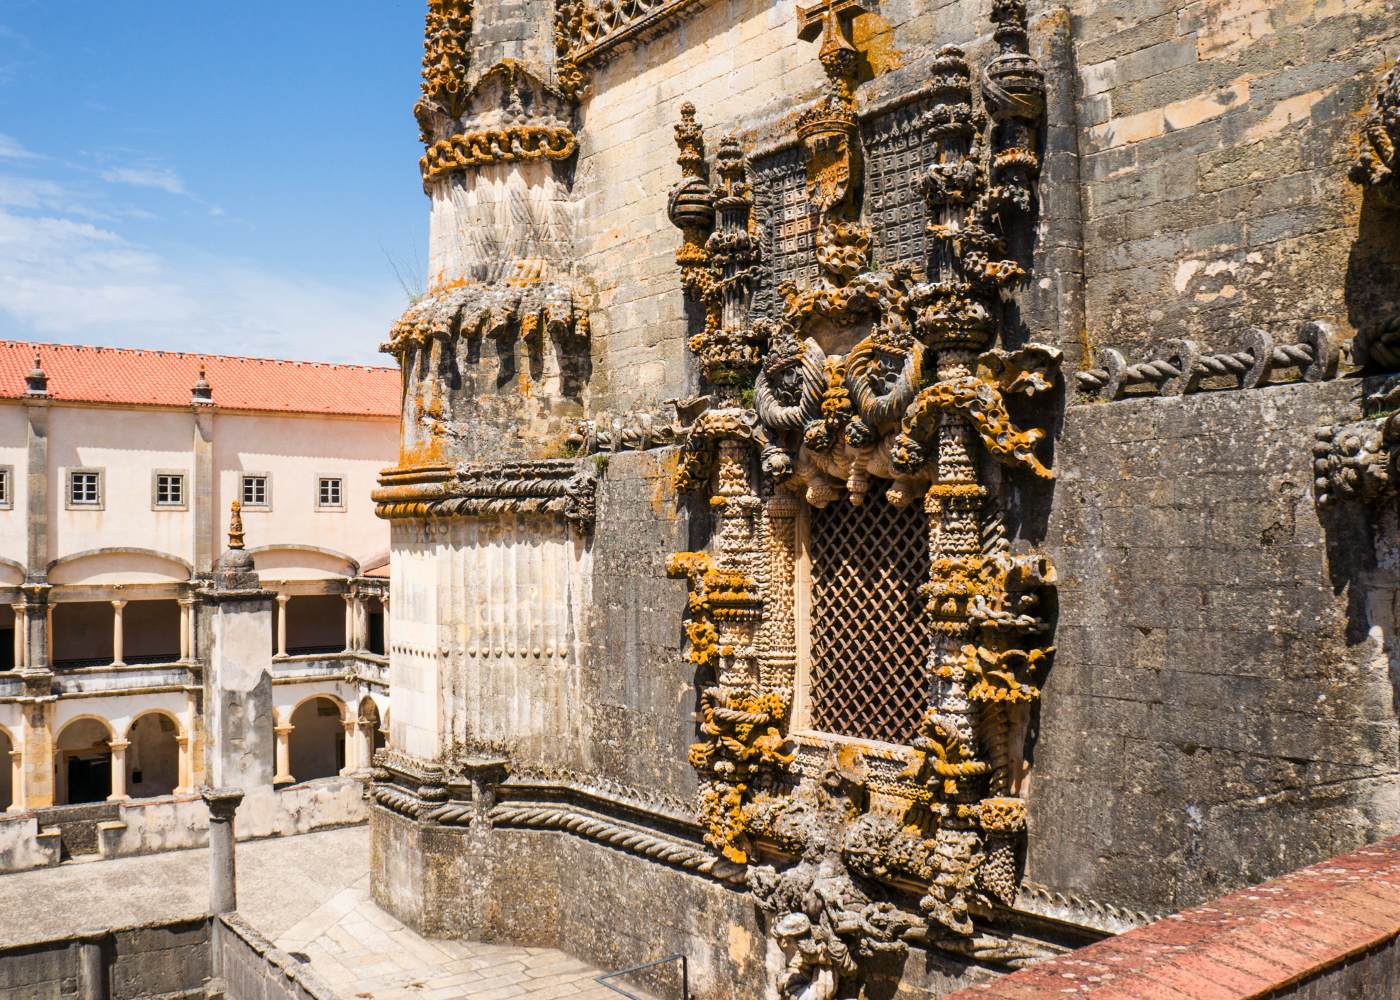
point(685, 976)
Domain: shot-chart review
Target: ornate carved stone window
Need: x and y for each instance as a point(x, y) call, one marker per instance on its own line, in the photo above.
point(866, 666)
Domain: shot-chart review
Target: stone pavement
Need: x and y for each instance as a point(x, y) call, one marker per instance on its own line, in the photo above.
point(280, 881)
point(310, 896)
point(361, 951)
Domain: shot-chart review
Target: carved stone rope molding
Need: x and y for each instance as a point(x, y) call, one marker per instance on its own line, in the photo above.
point(605, 831)
point(497, 145)
point(1184, 369)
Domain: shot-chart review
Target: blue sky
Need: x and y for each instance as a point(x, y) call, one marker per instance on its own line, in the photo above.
point(234, 178)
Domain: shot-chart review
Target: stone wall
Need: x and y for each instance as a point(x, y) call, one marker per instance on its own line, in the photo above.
point(173, 823)
point(253, 969)
point(1215, 138)
point(164, 959)
point(23, 845)
point(1222, 707)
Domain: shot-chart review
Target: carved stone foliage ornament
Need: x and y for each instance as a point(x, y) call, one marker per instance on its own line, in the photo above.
point(868, 378)
point(1360, 462)
point(1376, 161)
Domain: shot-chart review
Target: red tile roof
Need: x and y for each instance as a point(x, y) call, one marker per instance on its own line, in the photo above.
point(1251, 944)
point(165, 378)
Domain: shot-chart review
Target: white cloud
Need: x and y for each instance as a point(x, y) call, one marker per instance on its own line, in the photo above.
point(11, 149)
point(159, 178)
point(75, 281)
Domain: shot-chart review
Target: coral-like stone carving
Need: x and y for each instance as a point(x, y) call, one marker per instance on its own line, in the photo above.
point(719, 256)
point(1375, 165)
point(868, 376)
point(585, 31)
point(828, 920)
point(508, 115)
point(446, 61)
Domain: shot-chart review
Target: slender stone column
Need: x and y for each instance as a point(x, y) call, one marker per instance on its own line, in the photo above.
point(282, 601)
point(92, 967)
point(186, 784)
point(349, 623)
point(384, 607)
point(118, 748)
point(117, 635)
point(19, 635)
point(361, 623)
point(16, 780)
point(352, 746)
point(284, 755)
point(186, 628)
point(223, 875)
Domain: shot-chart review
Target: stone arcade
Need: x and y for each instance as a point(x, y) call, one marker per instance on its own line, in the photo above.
point(973, 662)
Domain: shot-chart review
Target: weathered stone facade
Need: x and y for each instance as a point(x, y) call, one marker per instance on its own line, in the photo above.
point(1005, 381)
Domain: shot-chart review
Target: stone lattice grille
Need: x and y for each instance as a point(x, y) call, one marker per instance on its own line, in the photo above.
point(897, 152)
point(870, 635)
point(789, 225)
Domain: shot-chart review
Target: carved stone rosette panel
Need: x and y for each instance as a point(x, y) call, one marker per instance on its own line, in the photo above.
point(890, 379)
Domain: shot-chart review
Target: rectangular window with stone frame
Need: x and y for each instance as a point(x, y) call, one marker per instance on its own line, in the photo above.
point(256, 491)
point(169, 491)
point(330, 493)
point(7, 487)
point(84, 488)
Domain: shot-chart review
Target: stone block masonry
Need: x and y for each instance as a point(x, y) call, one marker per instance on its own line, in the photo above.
point(1215, 137)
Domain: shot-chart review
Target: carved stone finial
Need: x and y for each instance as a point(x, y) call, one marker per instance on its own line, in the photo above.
point(202, 394)
point(36, 383)
point(446, 35)
point(235, 525)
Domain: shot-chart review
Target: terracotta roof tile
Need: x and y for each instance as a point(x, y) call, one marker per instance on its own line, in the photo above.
point(1243, 945)
point(165, 378)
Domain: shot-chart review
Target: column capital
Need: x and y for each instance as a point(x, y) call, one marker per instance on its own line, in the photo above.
point(222, 802)
point(118, 744)
point(283, 728)
point(283, 598)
